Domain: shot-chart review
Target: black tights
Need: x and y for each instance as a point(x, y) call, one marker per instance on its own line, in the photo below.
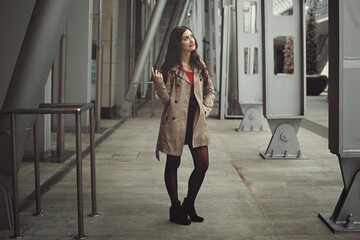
point(201, 163)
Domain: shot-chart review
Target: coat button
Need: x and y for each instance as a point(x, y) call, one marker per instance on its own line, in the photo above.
point(173, 118)
point(177, 85)
point(176, 101)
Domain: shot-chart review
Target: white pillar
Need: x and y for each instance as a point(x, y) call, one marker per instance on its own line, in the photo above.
point(78, 58)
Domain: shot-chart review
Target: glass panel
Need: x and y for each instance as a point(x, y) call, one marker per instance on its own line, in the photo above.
point(246, 61)
point(283, 7)
point(251, 65)
point(284, 55)
point(250, 16)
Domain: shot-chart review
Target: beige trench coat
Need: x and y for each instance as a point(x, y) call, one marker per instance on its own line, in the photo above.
point(175, 95)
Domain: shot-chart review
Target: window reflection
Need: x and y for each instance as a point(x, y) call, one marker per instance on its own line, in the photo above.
point(250, 16)
point(283, 7)
point(251, 65)
point(284, 55)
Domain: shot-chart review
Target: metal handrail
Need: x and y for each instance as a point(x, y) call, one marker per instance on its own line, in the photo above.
point(152, 98)
point(67, 108)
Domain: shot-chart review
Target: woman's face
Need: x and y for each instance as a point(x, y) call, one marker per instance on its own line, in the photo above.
point(187, 42)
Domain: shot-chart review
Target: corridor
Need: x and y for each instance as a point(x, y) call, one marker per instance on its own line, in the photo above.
point(243, 196)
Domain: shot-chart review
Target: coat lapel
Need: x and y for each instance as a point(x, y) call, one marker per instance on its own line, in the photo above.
point(180, 73)
point(196, 76)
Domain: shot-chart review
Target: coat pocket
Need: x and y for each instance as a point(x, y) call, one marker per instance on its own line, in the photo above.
point(169, 114)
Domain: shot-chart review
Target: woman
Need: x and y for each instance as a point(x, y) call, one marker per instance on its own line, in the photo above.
point(183, 85)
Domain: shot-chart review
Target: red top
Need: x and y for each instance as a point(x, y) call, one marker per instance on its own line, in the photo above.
point(190, 76)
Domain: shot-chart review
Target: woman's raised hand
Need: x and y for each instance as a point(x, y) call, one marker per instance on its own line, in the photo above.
point(158, 77)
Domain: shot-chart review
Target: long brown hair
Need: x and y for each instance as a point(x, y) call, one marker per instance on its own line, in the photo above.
point(172, 57)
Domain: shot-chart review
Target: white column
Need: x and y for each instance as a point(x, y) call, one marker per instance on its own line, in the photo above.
point(78, 58)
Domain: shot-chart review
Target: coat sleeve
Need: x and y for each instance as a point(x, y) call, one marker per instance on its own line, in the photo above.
point(163, 90)
point(209, 96)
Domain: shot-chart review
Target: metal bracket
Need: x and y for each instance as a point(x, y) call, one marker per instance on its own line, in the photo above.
point(251, 122)
point(126, 108)
point(346, 216)
point(283, 144)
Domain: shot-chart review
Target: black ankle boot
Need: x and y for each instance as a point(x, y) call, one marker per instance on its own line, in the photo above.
point(190, 210)
point(178, 215)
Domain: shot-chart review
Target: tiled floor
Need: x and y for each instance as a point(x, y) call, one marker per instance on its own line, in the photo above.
point(243, 196)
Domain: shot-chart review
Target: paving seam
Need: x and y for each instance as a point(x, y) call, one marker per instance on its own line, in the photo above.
point(247, 185)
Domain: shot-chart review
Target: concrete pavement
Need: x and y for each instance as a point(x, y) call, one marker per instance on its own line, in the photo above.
point(243, 195)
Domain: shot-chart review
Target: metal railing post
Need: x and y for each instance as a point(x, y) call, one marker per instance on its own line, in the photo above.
point(153, 100)
point(60, 142)
point(94, 212)
point(134, 105)
point(79, 182)
point(70, 108)
point(99, 62)
point(38, 212)
point(15, 196)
